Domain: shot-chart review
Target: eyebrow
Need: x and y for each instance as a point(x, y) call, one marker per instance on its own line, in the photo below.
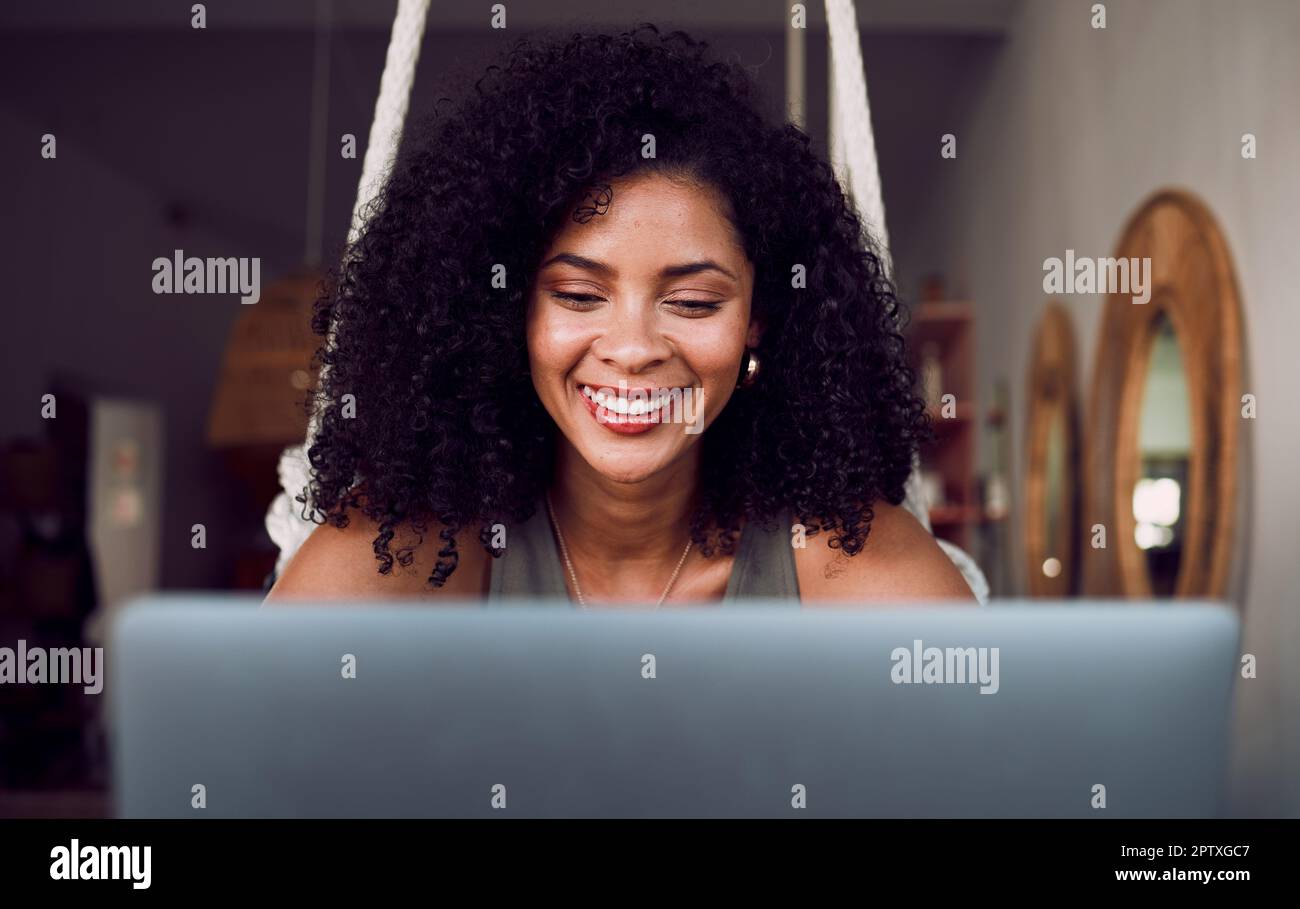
point(671, 271)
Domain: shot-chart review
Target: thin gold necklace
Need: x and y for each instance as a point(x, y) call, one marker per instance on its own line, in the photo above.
point(573, 575)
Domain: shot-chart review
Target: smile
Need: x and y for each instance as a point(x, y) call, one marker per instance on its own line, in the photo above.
point(629, 411)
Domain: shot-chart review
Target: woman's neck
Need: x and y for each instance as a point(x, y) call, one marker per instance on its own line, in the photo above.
point(622, 535)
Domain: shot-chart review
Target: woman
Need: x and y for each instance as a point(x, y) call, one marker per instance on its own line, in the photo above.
point(611, 333)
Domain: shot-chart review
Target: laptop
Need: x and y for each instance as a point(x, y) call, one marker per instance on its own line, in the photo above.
point(223, 708)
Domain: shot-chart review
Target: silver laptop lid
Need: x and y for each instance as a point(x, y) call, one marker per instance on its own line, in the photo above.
point(1012, 711)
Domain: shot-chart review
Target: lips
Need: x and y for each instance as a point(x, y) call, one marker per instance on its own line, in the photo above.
point(627, 410)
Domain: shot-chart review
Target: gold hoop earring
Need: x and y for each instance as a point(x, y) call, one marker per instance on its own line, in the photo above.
point(750, 371)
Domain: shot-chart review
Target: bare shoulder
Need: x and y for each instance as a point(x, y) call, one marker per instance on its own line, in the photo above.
point(900, 560)
point(339, 564)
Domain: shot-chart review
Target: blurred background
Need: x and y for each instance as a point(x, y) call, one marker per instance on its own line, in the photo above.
point(1008, 133)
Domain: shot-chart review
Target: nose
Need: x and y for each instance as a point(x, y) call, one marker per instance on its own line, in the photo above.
point(632, 342)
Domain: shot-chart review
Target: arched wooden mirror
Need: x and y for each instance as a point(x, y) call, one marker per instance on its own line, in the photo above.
point(1162, 445)
point(1051, 460)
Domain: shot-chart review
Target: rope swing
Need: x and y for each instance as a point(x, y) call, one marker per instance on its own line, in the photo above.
point(285, 523)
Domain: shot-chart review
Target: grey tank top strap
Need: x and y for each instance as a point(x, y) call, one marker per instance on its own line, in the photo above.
point(531, 566)
point(764, 565)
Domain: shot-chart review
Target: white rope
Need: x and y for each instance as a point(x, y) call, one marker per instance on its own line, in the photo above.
point(392, 104)
point(284, 522)
point(853, 155)
point(853, 144)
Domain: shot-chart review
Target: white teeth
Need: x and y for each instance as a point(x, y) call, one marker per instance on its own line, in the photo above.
point(633, 405)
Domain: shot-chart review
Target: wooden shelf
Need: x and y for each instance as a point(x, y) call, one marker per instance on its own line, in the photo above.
point(945, 330)
point(940, 322)
point(944, 311)
point(952, 515)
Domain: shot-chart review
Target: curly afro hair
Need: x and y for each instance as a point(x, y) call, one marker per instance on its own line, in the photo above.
point(447, 426)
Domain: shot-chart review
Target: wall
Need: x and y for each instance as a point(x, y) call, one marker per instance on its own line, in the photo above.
point(166, 139)
point(1069, 130)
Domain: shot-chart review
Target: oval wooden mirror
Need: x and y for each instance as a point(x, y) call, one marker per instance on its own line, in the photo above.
point(1051, 459)
point(1162, 445)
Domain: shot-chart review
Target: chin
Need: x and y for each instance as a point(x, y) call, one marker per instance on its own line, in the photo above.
point(622, 466)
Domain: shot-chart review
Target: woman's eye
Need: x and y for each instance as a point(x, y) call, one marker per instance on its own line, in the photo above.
point(685, 307)
point(577, 301)
point(693, 307)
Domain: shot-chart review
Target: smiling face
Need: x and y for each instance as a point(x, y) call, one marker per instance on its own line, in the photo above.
point(643, 305)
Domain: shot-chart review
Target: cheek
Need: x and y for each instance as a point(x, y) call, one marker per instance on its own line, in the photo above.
point(714, 350)
point(553, 344)
point(714, 358)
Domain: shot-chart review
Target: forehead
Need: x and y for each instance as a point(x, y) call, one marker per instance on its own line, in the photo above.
point(650, 216)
